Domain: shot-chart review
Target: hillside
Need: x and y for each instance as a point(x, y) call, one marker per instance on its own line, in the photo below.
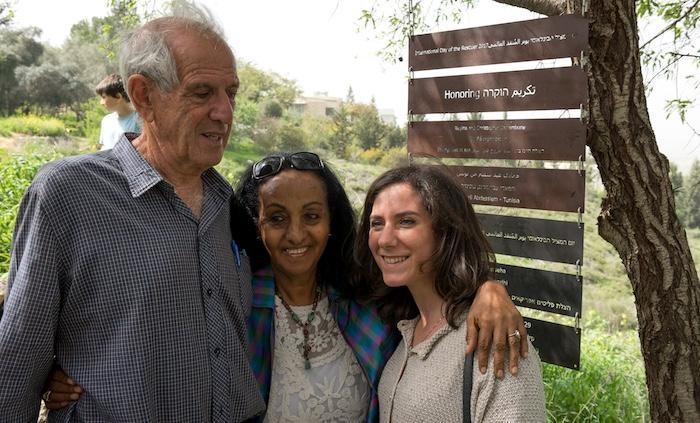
point(610, 351)
point(607, 292)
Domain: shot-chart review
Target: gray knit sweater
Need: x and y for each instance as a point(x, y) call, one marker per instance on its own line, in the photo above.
point(425, 383)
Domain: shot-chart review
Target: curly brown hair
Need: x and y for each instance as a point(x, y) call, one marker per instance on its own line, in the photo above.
point(463, 259)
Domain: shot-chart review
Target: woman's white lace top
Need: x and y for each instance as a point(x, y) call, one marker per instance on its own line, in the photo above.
point(334, 389)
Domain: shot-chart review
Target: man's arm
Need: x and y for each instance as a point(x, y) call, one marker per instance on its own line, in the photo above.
point(493, 319)
point(31, 310)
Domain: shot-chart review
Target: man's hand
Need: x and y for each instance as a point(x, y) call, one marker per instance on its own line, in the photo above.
point(493, 317)
point(60, 390)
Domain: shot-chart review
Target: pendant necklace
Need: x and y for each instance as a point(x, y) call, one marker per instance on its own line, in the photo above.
point(305, 347)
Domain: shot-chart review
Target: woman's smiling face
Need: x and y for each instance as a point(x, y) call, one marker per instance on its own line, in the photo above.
point(401, 237)
point(294, 222)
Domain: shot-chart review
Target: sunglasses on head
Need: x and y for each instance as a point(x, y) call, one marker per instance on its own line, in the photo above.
point(272, 165)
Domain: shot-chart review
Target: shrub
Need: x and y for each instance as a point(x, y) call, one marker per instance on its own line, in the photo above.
point(318, 131)
point(16, 172)
point(371, 156)
point(237, 158)
point(356, 178)
point(394, 157)
point(86, 122)
point(273, 109)
point(610, 387)
point(33, 125)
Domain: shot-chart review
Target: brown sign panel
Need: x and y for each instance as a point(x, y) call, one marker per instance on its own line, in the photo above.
point(556, 344)
point(544, 189)
point(537, 89)
point(548, 38)
point(527, 139)
point(543, 239)
point(543, 290)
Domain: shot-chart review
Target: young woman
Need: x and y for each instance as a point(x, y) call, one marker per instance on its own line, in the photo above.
point(316, 351)
point(427, 256)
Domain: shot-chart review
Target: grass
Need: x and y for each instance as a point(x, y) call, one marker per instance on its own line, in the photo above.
point(32, 125)
point(356, 178)
point(16, 172)
point(611, 385)
point(237, 158)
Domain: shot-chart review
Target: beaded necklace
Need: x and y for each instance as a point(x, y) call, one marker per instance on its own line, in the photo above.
point(305, 347)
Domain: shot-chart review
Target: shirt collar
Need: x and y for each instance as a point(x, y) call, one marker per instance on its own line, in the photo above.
point(422, 350)
point(141, 176)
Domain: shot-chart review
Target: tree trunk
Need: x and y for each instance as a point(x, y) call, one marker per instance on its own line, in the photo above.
point(638, 216)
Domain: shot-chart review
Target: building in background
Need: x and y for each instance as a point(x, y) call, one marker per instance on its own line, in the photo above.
point(387, 116)
point(318, 105)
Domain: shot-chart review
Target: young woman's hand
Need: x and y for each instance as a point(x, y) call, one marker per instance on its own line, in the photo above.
point(494, 320)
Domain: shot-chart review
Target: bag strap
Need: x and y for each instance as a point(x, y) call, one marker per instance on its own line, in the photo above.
point(467, 388)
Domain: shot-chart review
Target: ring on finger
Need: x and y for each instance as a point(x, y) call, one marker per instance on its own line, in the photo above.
point(516, 334)
point(47, 396)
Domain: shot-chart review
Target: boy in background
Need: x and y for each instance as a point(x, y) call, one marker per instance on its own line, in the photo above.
point(122, 117)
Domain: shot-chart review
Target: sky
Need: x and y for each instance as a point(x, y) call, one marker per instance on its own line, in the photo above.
point(322, 46)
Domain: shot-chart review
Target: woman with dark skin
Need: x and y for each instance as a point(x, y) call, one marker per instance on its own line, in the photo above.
point(308, 331)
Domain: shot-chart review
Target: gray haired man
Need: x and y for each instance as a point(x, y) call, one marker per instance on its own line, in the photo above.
point(121, 269)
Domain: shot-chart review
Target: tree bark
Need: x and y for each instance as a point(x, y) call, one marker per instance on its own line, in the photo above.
point(638, 215)
point(543, 7)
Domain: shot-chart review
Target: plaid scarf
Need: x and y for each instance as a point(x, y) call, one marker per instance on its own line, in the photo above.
point(371, 340)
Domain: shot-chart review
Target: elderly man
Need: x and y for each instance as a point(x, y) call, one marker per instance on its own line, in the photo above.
point(121, 269)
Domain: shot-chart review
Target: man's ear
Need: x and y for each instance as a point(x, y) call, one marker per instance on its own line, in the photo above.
point(141, 90)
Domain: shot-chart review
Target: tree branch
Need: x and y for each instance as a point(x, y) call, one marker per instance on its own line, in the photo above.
point(692, 56)
point(6, 14)
point(662, 70)
point(544, 7)
point(671, 25)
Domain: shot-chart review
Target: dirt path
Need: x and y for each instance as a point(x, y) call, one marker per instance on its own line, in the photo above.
point(10, 144)
point(17, 142)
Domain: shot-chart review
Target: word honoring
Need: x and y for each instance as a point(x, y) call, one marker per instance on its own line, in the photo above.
point(489, 92)
point(535, 89)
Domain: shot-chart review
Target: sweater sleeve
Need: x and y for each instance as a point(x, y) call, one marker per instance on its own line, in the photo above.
point(517, 398)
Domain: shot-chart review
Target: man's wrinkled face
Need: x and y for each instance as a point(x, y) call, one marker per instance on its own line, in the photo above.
point(192, 122)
